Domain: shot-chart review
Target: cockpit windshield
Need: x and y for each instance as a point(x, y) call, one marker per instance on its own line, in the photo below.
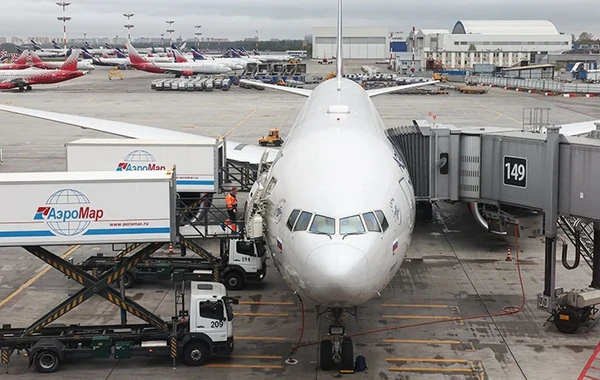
point(351, 225)
point(322, 225)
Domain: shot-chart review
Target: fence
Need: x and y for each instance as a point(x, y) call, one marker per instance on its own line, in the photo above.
point(536, 84)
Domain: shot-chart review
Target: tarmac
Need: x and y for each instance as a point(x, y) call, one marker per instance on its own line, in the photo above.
point(454, 270)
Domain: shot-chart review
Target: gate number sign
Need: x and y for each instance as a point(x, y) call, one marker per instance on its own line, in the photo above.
point(515, 171)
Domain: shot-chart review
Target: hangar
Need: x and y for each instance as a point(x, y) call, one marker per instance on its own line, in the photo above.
point(358, 42)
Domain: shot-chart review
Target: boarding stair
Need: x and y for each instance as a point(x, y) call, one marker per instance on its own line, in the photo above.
point(591, 371)
point(581, 234)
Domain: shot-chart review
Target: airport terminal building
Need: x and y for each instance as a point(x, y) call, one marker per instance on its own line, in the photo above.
point(361, 43)
point(498, 42)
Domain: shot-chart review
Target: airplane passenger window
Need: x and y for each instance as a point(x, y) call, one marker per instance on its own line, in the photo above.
point(371, 222)
point(292, 219)
point(351, 225)
point(303, 221)
point(382, 220)
point(323, 225)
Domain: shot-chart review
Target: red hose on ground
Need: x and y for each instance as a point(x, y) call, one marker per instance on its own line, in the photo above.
point(506, 310)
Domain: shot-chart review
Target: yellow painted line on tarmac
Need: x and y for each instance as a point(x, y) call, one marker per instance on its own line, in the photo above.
point(433, 306)
point(427, 369)
point(244, 366)
point(266, 303)
point(422, 341)
point(240, 123)
point(261, 314)
point(261, 338)
point(427, 360)
point(267, 357)
point(417, 317)
point(520, 122)
point(36, 277)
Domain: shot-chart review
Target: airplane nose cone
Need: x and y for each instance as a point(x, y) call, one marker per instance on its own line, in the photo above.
point(338, 274)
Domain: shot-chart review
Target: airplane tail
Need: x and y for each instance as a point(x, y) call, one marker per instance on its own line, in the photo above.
point(35, 45)
point(55, 45)
point(179, 57)
point(120, 53)
point(86, 54)
point(35, 58)
point(71, 62)
point(197, 55)
point(134, 56)
point(87, 45)
point(183, 45)
point(339, 59)
point(19, 50)
point(107, 45)
point(255, 52)
point(22, 60)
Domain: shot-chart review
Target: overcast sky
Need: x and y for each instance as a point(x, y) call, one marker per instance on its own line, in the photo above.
point(238, 19)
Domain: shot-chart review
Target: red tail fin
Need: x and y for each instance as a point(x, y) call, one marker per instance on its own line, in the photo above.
point(22, 60)
point(134, 56)
point(71, 62)
point(179, 57)
point(35, 58)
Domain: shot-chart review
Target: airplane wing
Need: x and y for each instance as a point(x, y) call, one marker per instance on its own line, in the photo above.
point(387, 90)
point(235, 151)
point(293, 90)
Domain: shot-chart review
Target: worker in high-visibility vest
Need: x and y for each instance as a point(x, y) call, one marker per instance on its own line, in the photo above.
point(231, 204)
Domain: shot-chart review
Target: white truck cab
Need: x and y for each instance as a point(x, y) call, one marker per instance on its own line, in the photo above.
point(246, 263)
point(210, 323)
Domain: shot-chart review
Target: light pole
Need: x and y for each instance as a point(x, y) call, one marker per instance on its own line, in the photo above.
point(162, 40)
point(84, 37)
point(170, 31)
point(198, 34)
point(128, 25)
point(256, 31)
point(64, 19)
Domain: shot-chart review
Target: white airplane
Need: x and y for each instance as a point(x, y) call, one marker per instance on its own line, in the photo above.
point(233, 65)
point(84, 65)
point(338, 248)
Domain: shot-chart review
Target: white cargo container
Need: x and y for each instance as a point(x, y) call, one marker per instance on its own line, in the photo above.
point(87, 208)
point(197, 168)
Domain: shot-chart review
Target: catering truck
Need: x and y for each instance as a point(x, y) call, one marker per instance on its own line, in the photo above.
point(138, 207)
point(196, 163)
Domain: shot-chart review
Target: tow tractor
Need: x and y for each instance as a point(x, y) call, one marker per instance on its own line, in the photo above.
point(241, 262)
point(575, 309)
point(272, 138)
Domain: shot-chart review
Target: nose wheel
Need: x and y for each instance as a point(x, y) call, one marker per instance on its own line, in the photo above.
point(337, 349)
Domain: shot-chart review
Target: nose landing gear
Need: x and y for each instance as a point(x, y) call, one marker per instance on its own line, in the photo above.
point(337, 349)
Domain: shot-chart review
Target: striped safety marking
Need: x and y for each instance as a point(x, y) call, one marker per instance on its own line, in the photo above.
point(173, 347)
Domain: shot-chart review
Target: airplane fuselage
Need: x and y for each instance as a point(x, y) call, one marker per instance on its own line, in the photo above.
point(341, 169)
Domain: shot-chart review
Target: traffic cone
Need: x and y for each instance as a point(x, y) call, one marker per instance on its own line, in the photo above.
point(508, 258)
point(170, 248)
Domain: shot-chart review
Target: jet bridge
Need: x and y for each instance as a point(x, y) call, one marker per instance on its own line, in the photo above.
point(534, 181)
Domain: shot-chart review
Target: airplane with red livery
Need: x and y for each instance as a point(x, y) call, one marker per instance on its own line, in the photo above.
point(19, 63)
point(24, 79)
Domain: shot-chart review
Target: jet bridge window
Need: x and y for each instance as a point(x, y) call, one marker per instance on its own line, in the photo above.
point(322, 225)
point(371, 222)
point(382, 220)
point(303, 221)
point(292, 219)
point(351, 225)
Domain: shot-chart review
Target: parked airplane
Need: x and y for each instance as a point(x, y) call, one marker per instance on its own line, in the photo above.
point(336, 248)
point(39, 63)
point(269, 57)
point(24, 79)
point(19, 64)
point(242, 61)
point(100, 51)
point(56, 51)
point(178, 68)
point(228, 62)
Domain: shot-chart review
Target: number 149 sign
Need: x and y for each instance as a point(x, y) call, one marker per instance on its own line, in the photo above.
point(515, 171)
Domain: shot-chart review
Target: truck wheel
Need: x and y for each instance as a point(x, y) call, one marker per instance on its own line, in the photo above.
point(234, 280)
point(128, 280)
point(196, 353)
point(46, 361)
